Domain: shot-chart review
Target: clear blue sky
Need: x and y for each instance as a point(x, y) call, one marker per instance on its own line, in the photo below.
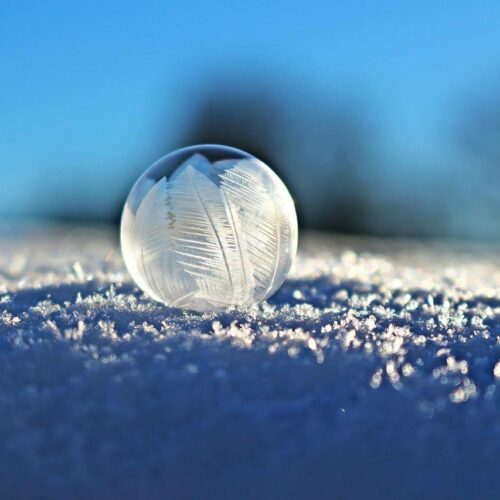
point(91, 92)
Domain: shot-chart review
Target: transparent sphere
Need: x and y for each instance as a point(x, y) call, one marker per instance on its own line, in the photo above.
point(209, 227)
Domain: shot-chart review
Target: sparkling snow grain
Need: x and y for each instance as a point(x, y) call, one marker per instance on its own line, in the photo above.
point(373, 371)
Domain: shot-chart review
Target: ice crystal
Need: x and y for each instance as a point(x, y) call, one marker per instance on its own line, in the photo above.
point(374, 368)
point(206, 235)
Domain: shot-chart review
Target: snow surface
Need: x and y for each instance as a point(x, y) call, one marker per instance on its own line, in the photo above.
point(371, 373)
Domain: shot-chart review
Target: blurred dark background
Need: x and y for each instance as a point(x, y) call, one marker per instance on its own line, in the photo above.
point(383, 118)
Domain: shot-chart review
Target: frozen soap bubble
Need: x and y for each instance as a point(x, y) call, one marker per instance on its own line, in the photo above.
point(209, 227)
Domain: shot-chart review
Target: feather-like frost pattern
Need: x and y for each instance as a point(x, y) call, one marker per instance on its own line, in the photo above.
point(152, 239)
point(212, 235)
point(206, 237)
point(264, 226)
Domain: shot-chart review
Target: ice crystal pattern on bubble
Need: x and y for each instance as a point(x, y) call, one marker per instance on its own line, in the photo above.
point(212, 235)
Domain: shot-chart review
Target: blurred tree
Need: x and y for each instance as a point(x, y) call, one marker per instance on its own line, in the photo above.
point(478, 134)
point(318, 147)
point(479, 131)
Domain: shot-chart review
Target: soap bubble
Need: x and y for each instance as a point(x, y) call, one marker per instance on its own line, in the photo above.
point(209, 227)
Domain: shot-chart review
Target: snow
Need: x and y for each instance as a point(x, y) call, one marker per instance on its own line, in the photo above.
point(373, 372)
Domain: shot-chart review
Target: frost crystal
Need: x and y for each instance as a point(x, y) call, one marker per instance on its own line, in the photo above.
point(207, 234)
point(349, 379)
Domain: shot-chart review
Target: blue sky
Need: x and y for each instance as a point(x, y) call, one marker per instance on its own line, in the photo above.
point(92, 92)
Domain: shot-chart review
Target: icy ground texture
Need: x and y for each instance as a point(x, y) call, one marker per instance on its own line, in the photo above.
point(372, 373)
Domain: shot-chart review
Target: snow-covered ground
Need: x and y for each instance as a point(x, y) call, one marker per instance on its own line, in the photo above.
point(371, 373)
